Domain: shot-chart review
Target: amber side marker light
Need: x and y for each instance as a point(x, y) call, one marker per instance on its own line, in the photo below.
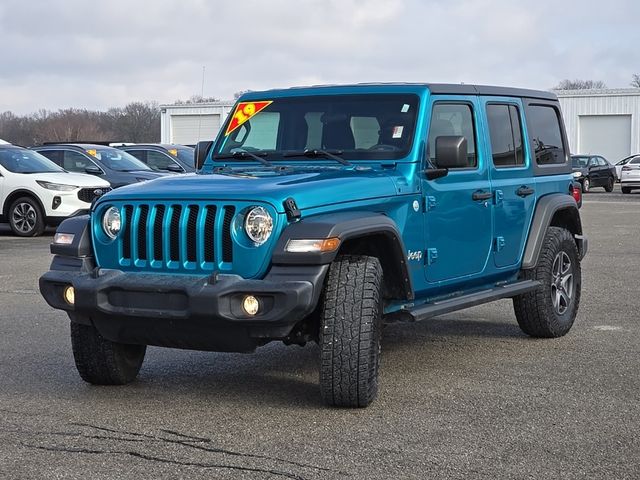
point(63, 238)
point(307, 246)
point(69, 295)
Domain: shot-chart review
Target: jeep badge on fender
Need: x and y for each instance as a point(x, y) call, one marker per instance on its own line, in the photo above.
point(319, 213)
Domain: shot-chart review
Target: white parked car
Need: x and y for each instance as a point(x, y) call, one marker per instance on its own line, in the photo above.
point(630, 178)
point(621, 164)
point(35, 192)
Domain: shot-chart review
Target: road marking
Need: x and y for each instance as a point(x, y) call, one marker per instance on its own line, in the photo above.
point(607, 328)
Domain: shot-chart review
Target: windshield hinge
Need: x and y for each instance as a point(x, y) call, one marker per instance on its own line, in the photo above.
point(291, 209)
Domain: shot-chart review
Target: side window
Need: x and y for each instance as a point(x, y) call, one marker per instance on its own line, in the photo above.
point(593, 162)
point(75, 162)
point(139, 154)
point(544, 124)
point(452, 119)
point(54, 155)
point(366, 131)
point(158, 160)
point(602, 162)
point(635, 161)
point(505, 131)
point(262, 137)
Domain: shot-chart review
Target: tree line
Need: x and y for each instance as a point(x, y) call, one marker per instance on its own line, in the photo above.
point(592, 84)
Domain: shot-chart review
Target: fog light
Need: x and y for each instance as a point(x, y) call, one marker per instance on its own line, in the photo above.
point(69, 295)
point(250, 305)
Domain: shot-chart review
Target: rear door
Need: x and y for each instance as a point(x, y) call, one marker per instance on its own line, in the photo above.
point(511, 178)
point(458, 206)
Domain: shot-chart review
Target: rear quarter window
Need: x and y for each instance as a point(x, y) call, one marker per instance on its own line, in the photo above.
point(546, 135)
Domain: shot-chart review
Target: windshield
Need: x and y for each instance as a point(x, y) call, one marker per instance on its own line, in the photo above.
point(359, 127)
point(18, 160)
point(579, 162)
point(185, 154)
point(118, 160)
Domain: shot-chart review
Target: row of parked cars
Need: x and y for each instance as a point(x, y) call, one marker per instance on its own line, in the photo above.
point(43, 185)
point(595, 171)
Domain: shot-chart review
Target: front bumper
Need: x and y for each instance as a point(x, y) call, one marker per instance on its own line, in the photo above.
point(203, 313)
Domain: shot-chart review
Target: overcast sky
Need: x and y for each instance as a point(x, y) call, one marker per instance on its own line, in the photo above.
point(96, 54)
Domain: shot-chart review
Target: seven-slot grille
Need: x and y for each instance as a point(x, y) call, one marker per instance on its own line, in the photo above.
point(89, 194)
point(177, 235)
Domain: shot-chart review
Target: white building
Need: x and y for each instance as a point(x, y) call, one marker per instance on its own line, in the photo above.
point(606, 122)
point(188, 124)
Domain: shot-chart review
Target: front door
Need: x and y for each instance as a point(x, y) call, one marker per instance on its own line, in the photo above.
point(511, 179)
point(457, 206)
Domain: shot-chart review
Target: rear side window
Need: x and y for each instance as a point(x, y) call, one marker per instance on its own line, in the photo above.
point(53, 155)
point(505, 130)
point(139, 154)
point(544, 126)
point(449, 119)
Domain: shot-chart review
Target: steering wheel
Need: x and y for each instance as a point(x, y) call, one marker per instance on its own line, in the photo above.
point(384, 147)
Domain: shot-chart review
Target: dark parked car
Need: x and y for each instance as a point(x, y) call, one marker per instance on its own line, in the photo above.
point(593, 171)
point(117, 167)
point(163, 157)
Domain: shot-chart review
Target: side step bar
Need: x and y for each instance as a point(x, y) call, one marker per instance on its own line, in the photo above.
point(440, 307)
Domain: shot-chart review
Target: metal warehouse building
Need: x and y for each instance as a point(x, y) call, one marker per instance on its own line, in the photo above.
point(188, 124)
point(606, 122)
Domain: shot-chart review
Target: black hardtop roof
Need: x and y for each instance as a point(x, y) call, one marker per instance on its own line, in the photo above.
point(83, 146)
point(436, 88)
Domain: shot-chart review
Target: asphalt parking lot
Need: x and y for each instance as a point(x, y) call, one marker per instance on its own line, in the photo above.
point(465, 395)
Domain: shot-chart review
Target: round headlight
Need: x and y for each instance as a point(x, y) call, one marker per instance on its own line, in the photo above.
point(111, 222)
point(258, 225)
point(577, 174)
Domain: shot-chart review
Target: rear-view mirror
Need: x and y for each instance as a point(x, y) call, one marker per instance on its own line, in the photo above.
point(451, 152)
point(93, 170)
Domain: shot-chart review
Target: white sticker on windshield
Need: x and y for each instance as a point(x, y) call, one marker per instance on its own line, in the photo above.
point(405, 108)
point(397, 131)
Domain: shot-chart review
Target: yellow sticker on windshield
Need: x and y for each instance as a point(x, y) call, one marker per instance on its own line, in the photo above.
point(173, 151)
point(244, 111)
point(93, 152)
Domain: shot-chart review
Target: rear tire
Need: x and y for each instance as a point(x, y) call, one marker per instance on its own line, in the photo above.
point(26, 218)
point(102, 362)
point(586, 185)
point(550, 311)
point(350, 331)
point(609, 186)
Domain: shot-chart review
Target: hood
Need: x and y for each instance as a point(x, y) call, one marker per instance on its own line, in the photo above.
point(70, 178)
point(146, 174)
point(309, 186)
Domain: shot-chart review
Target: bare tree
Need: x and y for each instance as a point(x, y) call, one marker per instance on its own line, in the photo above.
point(579, 85)
point(195, 99)
point(137, 122)
point(635, 82)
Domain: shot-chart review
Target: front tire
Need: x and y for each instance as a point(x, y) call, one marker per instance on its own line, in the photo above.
point(586, 185)
point(102, 362)
point(550, 311)
point(626, 190)
point(350, 331)
point(26, 218)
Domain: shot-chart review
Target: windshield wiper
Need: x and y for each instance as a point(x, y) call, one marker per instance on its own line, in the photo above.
point(244, 154)
point(319, 153)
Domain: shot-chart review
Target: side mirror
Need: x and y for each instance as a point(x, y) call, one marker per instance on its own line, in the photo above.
point(93, 170)
point(200, 153)
point(451, 152)
point(174, 168)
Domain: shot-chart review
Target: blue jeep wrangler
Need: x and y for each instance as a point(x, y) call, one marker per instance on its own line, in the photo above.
point(319, 213)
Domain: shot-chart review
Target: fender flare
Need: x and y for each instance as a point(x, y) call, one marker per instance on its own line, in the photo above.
point(546, 209)
point(346, 226)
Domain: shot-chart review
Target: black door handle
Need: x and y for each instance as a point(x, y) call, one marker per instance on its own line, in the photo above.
point(524, 191)
point(481, 195)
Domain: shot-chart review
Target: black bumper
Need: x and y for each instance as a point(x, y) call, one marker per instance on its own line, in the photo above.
point(181, 311)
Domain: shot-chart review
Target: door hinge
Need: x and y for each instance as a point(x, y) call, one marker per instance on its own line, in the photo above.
point(499, 243)
point(432, 255)
point(431, 202)
point(498, 197)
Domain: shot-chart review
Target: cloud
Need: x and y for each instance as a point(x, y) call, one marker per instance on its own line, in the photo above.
point(99, 54)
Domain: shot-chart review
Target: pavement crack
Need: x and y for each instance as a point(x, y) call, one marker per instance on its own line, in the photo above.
point(189, 441)
point(152, 458)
